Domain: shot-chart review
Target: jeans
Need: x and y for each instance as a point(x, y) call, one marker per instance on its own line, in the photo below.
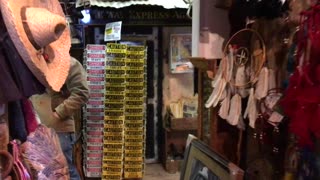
point(66, 141)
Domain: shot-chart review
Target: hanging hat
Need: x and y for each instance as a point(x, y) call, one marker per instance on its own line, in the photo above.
point(39, 32)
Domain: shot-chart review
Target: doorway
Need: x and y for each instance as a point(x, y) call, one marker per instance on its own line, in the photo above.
point(147, 36)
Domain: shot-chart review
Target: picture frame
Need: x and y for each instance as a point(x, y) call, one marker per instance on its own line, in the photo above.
point(180, 52)
point(77, 36)
point(201, 163)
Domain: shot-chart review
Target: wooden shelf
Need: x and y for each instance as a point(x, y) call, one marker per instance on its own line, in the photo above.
point(178, 124)
point(203, 64)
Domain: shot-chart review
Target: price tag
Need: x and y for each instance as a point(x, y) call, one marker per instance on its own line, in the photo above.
point(275, 117)
point(271, 101)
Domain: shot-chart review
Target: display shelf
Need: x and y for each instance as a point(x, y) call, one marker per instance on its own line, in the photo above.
point(175, 139)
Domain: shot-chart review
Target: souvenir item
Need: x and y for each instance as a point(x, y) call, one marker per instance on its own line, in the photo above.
point(253, 58)
point(235, 110)
point(262, 84)
point(251, 110)
point(241, 78)
point(225, 105)
point(229, 64)
point(219, 73)
point(19, 168)
point(6, 163)
point(44, 50)
point(16, 79)
point(43, 154)
point(216, 94)
point(300, 102)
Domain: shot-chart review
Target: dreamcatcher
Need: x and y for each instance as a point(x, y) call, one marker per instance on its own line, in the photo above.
point(243, 75)
point(240, 74)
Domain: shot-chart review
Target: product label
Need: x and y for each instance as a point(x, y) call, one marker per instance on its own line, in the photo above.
point(96, 47)
point(96, 72)
point(94, 148)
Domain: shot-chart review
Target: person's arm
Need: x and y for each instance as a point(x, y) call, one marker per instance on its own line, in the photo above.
point(79, 92)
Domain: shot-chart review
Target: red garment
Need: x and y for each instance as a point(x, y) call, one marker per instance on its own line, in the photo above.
point(301, 102)
point(29, 116)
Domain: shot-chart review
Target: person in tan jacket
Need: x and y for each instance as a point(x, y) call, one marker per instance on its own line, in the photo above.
point(72, 96)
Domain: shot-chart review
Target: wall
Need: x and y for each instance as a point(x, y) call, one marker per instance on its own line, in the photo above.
point(174, 85)
point(214, 29)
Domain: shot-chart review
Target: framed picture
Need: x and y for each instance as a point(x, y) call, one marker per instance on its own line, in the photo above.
point(201, 163)
point(180, 52)
point(77, 36)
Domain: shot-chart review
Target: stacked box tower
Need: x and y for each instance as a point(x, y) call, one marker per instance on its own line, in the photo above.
point(135, 97)
point(93, 113)
point(112, 165)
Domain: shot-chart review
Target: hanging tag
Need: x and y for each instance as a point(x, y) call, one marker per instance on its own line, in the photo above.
point(275, 117)
point(271, 101)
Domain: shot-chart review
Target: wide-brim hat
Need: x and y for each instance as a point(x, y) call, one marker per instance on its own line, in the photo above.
point(39, 32)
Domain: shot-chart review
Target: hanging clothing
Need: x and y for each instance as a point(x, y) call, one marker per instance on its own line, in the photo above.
point(8, 88)
point(17, 125)
point(29, 116)
point(16, 79)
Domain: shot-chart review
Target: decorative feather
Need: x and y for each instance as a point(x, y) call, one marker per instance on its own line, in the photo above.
point(220, 71)
point(262, 84)
point(216, 94)
point(225, 105)
point(221, 89)
point(235, 110)
point(229, 65)
point(241, 125)
point(251, 110)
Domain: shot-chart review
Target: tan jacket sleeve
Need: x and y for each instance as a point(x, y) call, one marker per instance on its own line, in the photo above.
point(78, 88)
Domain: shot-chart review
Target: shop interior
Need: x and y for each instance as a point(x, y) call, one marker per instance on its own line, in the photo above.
point(188, 89)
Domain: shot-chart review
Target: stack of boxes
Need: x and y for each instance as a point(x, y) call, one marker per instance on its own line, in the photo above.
point(112, 165)
point(114, 138)
point(135, 112)
point(94, 64)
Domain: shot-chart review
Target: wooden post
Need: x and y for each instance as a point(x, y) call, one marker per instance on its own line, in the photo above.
point(200, 104)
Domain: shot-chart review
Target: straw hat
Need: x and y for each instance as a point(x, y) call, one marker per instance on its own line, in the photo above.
point(40, 34)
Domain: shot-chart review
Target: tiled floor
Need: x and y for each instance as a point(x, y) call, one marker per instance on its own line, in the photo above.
point(157, 172)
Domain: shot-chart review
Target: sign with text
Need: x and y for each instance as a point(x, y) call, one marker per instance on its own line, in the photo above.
point(140, 15)
point(112, 31)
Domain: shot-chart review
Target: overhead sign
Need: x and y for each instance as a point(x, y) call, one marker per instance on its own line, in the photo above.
point(140, 15)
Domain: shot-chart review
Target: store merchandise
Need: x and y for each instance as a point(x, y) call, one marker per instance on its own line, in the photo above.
point(242, 73)
point(301, 102)
point(135, 113)
point(44, 50)
point(17, 81)
point(43, 154)
point(94, 63)
point(115, 113)
point(19, 168)
point(113, 140)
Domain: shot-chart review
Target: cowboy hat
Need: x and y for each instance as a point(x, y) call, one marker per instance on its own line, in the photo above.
point(39, 32)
